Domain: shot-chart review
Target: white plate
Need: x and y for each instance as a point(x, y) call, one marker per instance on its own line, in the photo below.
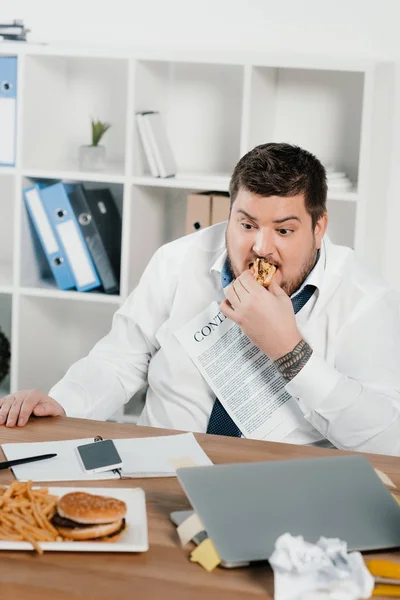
point(133, 539)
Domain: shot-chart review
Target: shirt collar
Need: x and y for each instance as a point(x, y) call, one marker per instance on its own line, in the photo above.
point(315, 277)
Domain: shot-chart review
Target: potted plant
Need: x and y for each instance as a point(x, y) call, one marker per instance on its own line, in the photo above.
point(93, 157)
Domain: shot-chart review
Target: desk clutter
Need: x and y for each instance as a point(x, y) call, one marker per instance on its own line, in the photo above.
point(79, 519)
point(141, 457)
point(309, 518)
point(305, 547)
point(79, 231)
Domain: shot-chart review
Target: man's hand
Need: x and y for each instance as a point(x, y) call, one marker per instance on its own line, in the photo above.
point(16, 409)
point(265, 315)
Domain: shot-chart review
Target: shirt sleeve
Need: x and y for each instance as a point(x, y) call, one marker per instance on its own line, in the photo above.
point(116, 368)
point(356, 403)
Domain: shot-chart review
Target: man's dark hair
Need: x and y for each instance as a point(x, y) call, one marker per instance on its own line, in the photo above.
point(282, 170)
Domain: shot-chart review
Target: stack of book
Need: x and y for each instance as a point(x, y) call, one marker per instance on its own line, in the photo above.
point(338, 181)
point(13, 30)
point(79, 231)
point(155, 144)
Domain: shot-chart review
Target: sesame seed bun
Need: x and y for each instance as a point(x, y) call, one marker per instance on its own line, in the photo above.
point(90, 509)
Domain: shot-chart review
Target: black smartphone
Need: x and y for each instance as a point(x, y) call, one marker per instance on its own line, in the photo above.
point(99, 456)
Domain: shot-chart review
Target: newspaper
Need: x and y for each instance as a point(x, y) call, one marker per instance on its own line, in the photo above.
point(244, 379)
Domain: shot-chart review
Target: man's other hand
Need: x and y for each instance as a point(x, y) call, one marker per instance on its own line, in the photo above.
point(15, 409)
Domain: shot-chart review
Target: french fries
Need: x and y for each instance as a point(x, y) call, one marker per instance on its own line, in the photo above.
point(25, 514)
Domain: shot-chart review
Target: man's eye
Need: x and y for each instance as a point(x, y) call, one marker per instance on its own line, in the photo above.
point(284, 231)
point(246, 226)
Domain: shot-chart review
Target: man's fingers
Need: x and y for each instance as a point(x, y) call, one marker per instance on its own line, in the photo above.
point(249, 283)
point(5, 407)
point(232, 295)
point(47, 408)
point(226, 308)
point(275, 289)
point(26, 410)
point(234, 284)
point(3, 399)
point(244, 286)
point(13, 413)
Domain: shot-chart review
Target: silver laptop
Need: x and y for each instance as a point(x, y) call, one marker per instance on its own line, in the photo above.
point(246, 507)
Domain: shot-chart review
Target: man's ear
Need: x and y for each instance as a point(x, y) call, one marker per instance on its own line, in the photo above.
point(320, 229)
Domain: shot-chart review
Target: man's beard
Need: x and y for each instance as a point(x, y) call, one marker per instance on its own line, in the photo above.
point(292, 285)
point(288, 286)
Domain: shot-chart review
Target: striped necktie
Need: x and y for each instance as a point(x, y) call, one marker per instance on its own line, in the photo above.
point(220, 422)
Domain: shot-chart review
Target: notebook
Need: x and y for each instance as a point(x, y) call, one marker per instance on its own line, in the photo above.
point(245, 507)
point(141, 457)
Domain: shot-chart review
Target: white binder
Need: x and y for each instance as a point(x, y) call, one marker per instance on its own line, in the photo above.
point(8, 109)
point(159, 144)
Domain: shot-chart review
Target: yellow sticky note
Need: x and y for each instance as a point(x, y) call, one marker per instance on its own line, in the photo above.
point(182, 461)
point(206, 555)
point(386, 591)
point(189, 528)
point(385, 478)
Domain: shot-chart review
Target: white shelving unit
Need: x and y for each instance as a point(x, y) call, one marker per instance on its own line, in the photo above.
point(215, 110)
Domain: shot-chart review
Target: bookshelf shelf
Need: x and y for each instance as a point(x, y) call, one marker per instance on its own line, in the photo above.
point(111, 176)
point(199, 103)
point(7, 170)
point(214, 110)
point(6, 289)
point(6, 275)
point(181, 182)
point(56, 294)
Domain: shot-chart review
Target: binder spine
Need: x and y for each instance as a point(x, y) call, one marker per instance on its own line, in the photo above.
point(93, 239)
point(108, 221)
point(48, 238)
point(8, 110)
point(64, 222)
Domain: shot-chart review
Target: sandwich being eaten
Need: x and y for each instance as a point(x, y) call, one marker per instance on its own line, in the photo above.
point(263, 271)
point(82, 516)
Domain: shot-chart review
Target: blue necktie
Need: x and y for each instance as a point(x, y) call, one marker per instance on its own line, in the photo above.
point(220, 422)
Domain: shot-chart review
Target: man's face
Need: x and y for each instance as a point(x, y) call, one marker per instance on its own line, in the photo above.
point(278, 229)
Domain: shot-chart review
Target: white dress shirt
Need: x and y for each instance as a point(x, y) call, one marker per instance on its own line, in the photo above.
point(348, 393)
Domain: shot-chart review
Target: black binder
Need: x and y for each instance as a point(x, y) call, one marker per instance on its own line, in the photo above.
point(100, 224)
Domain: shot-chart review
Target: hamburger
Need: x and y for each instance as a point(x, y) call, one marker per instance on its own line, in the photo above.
point(262, 271)
point(81, 516)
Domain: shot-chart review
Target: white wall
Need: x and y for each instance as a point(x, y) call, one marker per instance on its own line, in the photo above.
point(357, 27)
point(362, 26)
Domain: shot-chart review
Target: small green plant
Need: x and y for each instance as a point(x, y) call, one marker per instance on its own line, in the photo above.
point(98, 130)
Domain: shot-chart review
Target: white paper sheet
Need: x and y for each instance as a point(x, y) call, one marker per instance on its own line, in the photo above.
point(244, 379)
point(141, 457)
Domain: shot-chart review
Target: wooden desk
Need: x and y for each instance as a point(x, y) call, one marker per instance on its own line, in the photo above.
point(165, 570)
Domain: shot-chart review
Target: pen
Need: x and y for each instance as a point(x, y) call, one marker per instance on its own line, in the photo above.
point(21, 461)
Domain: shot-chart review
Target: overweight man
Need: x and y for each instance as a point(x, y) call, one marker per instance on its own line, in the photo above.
point(329, 325)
